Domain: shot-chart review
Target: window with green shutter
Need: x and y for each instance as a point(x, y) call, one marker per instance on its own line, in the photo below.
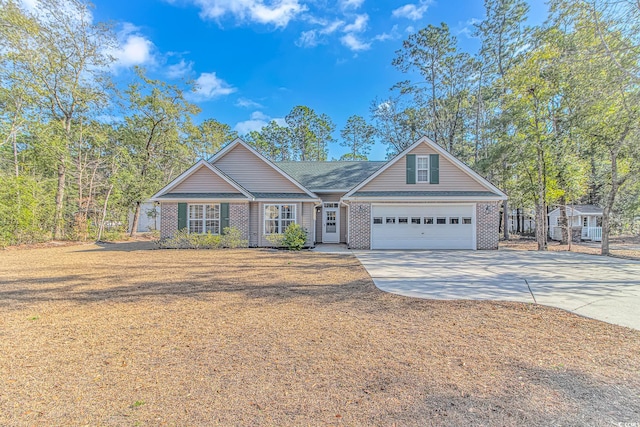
point(224, 216)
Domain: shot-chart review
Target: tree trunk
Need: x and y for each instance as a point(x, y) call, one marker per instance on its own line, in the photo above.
point(541, 205)
point(518, 214)
point(563, 223)
point(58, 231)
point(104, 213)
point(606, 213)
point(505, 219)
point(136, 217)
point(15, 154)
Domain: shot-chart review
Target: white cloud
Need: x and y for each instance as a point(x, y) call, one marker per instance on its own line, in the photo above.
point(332, 27)
point(134, 48)
point(350, 4)
point(179, 70)
point(410, 29)
point(393, 35)
point(209, 86)
point(359, 24)
point(353, 43)
point(275, 12)
point(308, 39)
point(411, 11)
point(247, 103)
point(468, 27)
point(256, 122)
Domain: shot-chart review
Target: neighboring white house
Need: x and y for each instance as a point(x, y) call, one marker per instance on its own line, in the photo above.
point(589, 217)
point(527, 221)
point(149, 217)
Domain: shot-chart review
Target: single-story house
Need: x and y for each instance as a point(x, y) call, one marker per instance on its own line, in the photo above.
point(423, 198)
point(588, 217)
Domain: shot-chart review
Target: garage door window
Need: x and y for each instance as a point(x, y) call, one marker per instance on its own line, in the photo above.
point(391, 220)
point(428, 220)
point(403, 220)
point(454, 220)
point(441, 220)
point(377, 220)
point(415, 220)
point(466, 220)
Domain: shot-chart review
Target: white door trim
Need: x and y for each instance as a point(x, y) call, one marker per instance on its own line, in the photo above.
point(330, 237)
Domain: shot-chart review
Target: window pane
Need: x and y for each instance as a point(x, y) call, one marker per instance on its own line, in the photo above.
point(415, 220)
point(195, 226)
point(195, 211)
point(423, 162)
point(423, 176)
point(466, 220)
point(428, 220)
point(271, 211)
point(377, 220)
point(454, 220)
point(391, 220)
point(286, 212)
point(213, 226)
point(213, 212)
point(286, 223)
point(441, 221)
point(403, 220)
point(271, 226)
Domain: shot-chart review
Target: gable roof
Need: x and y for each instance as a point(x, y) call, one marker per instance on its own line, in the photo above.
point(337, 175)
point(424, 140)
point(220, 154)
point(201, 163)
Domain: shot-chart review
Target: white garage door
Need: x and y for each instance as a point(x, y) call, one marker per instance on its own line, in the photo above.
point(423, 226)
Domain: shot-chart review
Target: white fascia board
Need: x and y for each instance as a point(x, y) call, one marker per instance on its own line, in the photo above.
point(239, 141)
point(423, 199)
point(482, 181)
point(190, 171)
point(324, 190)
point(187, 200)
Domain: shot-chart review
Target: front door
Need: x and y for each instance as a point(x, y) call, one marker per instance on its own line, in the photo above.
point(331, 223)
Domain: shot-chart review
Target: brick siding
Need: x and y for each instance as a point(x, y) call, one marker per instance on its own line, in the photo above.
point(168, 219)
point(487, 225)
point(239, 218)
point(360, 226)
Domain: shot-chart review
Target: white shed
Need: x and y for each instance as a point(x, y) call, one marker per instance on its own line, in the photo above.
point(149, 217)
point(589, 217)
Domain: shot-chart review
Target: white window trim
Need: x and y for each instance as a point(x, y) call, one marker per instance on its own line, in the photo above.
point(204, 217)
point(422, 169)
point(292, 220)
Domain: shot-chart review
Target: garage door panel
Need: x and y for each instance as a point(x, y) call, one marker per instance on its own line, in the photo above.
point(423, 236)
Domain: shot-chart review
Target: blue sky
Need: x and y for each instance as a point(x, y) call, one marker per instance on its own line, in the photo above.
point(254, 60)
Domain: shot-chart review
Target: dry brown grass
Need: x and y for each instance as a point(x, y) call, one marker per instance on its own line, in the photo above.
point(627, 247)
point(120, 335)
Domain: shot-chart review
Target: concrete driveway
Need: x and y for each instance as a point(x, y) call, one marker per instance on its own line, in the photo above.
point(602, 288)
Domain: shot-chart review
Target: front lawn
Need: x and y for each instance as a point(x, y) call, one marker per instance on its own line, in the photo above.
point(122, 335)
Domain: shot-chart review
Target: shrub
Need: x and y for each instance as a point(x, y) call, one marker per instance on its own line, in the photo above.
point(232, 238)
point(293, 238)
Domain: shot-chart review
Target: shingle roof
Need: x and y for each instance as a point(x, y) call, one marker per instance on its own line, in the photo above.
point(424, 194)
point(588, 209)
point(203, 196)
point(337, 175)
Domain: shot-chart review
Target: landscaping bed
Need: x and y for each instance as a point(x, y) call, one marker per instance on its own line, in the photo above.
point(118, 334)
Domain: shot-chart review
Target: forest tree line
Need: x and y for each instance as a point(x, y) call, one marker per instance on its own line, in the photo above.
point(550, 114)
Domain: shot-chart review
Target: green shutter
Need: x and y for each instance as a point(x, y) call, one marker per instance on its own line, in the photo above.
point(182, 216)
point(224, 216)
point(434, 166)
point(411, 168)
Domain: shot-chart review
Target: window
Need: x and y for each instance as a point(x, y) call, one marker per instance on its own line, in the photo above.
point(415, 220)
point(428, 220)
point(422, 169)
point(390, 220)
point(330, 205)
point(585, 222)
point(278, 217)
point(454, 220)
point(466, 220)
point(377, 220)
point(204, 218)
point(403, 220)
point(441, 220)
